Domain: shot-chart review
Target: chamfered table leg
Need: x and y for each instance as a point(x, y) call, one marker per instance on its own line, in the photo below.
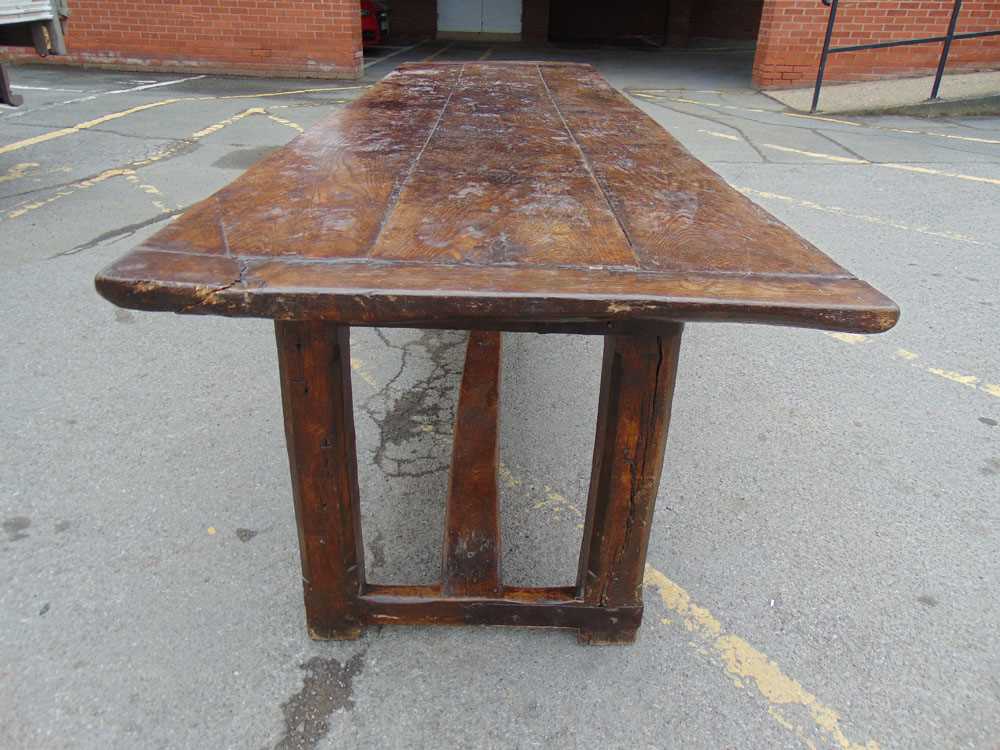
point(637, 387)
point(315, 369)
point(6, 95)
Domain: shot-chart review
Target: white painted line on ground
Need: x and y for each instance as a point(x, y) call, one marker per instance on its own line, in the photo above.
point(399, 51)
point(145, 86)
point(46, 88)
point(99, 94)
point(720, 135)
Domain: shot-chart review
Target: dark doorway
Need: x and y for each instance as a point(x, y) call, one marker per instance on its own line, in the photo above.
point(657, 22)
point(599, 20)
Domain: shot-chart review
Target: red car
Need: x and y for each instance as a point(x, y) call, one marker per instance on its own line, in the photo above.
point(374, 23)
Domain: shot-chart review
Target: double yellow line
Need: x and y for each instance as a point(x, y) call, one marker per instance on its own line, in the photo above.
point(79, 127)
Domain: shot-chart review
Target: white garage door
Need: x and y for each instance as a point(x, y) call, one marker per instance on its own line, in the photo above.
point(467, 17)
point(502, 16)
point(460, 15)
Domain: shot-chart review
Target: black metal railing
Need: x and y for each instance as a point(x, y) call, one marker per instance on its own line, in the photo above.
point(947, 39)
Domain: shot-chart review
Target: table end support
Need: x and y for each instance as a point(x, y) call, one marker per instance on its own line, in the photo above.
point(633, 415)
point(314, 364)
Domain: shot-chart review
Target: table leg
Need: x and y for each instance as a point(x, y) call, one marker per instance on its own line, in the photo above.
point(315, 369)
point(637, 387)
point(6, 95)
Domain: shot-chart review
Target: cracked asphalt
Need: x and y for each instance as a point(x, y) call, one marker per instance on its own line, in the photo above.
point(824, 562)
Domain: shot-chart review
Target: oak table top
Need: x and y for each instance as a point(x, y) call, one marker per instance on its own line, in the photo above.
point(515, 196)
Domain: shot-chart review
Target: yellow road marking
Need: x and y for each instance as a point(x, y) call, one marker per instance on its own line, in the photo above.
point(129, 170)
point(971, 381)
point(358, 366)
point(940, 173)
point(486, 54)
point(816, 154)
point(793, 728)
point(69, 190)
point(646, 94)
point(695, 101)
point(286, 93)
point(287, 123)
point(957, 377)
point(838, 211)
point(887, 165)
point(18, 171)
point(747, 666)
point(150, 190)
point(557, 503)
point(53, 134)
point(974, 139)
point(823, 119)
point(717, 134)
point(440, 51)
point(228, 121)
point(849, 338)
point(905, 355)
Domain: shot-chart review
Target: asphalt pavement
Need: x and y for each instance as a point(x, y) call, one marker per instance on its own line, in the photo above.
point(823, 570)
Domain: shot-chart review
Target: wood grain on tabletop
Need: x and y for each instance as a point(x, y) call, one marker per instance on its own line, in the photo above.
point(523, 196)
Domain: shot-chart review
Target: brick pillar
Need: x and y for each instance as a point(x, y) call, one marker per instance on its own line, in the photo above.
point(789, 42)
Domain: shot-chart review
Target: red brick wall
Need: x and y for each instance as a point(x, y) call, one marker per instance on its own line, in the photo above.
point(791, 38)
point(320, 38)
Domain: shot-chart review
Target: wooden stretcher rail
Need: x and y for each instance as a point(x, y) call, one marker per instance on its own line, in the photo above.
point(527, 607)
point(471, 563)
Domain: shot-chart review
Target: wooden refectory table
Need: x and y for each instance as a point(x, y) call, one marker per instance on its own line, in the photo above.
point(489, 197)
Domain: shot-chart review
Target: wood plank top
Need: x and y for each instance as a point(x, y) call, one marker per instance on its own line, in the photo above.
point(523, 196)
